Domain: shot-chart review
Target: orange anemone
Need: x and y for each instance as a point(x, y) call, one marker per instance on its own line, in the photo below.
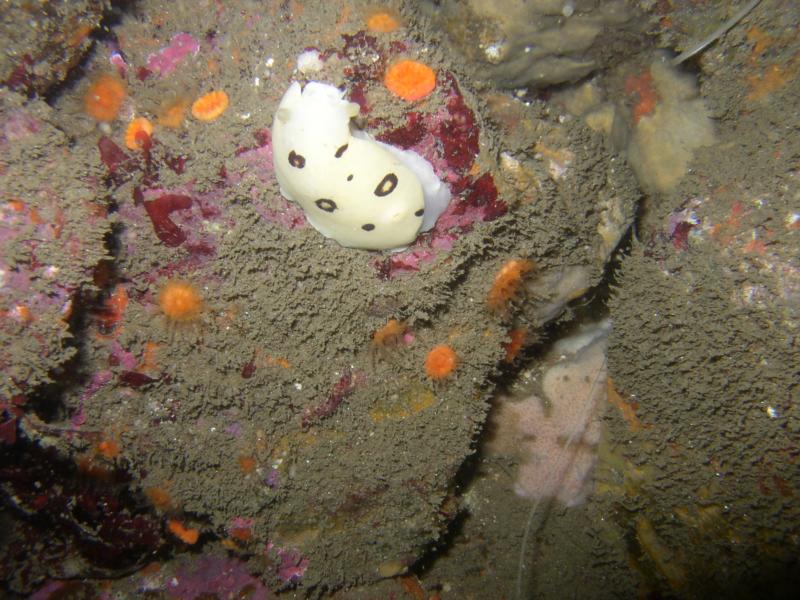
point(104, 97)
point(441, 361)
point(409, 79)
point(210, 106)
point(138, 133)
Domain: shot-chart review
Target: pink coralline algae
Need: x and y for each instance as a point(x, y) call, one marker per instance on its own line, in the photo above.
point(166, 60)
point(20, 124)
point(257, 170)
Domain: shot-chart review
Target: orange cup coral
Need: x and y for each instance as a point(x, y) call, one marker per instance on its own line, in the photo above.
point(409, 79)
point(138, 132)
point(104, 97)
point(210, 106)
point(180, 301)
point(441, 361)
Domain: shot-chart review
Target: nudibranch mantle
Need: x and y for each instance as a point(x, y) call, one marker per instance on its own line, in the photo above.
point(354, 189)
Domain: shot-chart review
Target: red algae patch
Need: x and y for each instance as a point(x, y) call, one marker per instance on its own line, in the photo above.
point(410, 80)
point(210, 106)
point(104, 97)
point(159, 211)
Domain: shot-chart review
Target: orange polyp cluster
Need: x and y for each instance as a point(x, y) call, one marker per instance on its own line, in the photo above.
point(104, 97)
point(642, 88)
point(382, 20)
point(21, 314)
point(172, 113)
point(409, 79)
point(180, 301)
point(138, 133)
point(185, 534)
point(108, 449)
point(507, 283)
point(247, 463)
point(514, 345)
point(441, 362)
point(210, 106)
point(390, 335)
point(159, 497)
point(114, 308)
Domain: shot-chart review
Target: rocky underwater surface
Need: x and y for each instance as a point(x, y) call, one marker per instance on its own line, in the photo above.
point(581, 381)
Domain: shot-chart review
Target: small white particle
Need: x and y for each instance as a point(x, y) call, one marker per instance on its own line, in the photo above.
point(309, 62)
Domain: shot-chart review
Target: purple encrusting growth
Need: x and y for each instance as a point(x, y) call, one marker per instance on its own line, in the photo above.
point(219, 576)
point(292, 565)
point(98, 380)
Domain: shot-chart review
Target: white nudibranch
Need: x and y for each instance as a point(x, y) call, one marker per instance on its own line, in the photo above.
point(354, 189)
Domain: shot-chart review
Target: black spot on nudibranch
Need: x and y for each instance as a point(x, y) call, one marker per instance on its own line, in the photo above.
point(368, 227)
point(387, 185)
point(326, 205)
point(349, 178)
point(341, 151)
point(420, 212)
point(296, 160)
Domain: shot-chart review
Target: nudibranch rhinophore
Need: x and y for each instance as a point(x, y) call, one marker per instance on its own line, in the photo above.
point(354, 189)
